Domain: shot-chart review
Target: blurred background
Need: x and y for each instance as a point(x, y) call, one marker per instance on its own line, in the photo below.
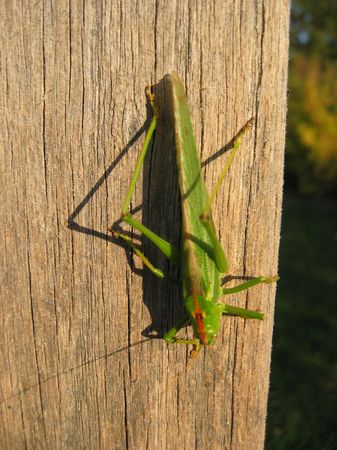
point(302, 410)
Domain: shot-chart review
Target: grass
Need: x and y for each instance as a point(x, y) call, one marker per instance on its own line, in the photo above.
point(302, 410)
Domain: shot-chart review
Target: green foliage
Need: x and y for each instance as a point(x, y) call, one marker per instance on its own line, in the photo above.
point(313, 28)
point(312, 124)
point(311, 157)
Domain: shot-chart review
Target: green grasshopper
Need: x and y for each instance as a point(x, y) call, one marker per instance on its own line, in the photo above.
point(201, 259)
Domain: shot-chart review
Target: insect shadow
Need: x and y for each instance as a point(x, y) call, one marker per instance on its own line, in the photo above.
point(160, 212)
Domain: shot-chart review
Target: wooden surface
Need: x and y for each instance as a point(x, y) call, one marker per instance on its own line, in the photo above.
point(78, 370)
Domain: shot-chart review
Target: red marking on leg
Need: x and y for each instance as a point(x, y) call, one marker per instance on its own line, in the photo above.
point(199, 318)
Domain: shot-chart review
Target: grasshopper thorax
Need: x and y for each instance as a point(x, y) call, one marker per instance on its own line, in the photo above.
point(205, 317)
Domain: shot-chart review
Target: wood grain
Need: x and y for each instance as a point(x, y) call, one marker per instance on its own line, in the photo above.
point(78, 370)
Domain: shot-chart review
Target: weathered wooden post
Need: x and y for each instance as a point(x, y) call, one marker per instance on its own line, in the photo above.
point(76, 369)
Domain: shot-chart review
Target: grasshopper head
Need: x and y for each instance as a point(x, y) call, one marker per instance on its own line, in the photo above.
point(205, 317)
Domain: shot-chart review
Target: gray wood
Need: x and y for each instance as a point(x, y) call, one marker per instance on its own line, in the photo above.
point(77, 370)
